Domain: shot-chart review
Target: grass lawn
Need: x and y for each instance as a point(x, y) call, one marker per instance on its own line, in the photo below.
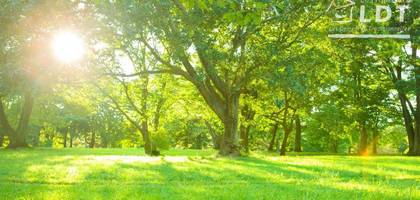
point(187, 174)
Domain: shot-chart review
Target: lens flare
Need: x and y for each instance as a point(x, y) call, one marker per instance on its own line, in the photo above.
point(68, 47)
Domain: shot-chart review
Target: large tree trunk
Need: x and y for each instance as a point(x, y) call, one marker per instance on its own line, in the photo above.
point(298, 134)
point(363, 144)
point(17, 137)
point(407, 116)
point(416, 150)
point(408, 123)
point(273, 137)
point(24, 121)
point(149, 148)
point(230, 138)
point(17, 140)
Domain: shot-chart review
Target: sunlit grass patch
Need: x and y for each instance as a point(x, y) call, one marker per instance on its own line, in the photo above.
point(189, 174)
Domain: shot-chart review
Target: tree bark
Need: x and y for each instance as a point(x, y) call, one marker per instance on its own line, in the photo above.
point(65, 139)
point(243, 129)
point(407, 116)
point(273, 137)
point(72, 133)
point(287, 126)
point(149, 148)
point(92, 140)
point(277, 143)
point(298, 134)
point(220, 95)
point(4, 122)
point(375, 141)
point(284, 142)
point(64, 133)
point(334, 145)
point(158, 111)
point(363, 139)
point(71, 141)
point(1, 138)
point(248, 115)
point(416, 150)
point(408, 123)
point(230, 138)
point(17, 138)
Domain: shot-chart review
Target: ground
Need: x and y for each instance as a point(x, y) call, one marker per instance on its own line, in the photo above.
point(188, 174)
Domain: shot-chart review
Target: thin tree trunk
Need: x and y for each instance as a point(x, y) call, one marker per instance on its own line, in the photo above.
point(273, 137)
point(64, 133)
point(244, 134)
point(363, 139)
point(149, 148)
point(158, 111)
point(65, 139)
point(216, 138)
point(71, 141)
point(92, 140)
point(298, 134)
point(244, 137)
point(375, 141)
point(287, 126)
point(278, 142)
point(248, 115)
point(284, 142)
point(334, 145)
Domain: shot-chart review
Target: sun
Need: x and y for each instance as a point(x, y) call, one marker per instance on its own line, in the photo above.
point(68, 47)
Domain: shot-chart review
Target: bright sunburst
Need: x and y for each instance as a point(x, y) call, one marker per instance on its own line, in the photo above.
point(68, 47)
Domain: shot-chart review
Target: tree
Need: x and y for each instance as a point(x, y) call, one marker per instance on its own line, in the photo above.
point(11, 76)
point(209, 44)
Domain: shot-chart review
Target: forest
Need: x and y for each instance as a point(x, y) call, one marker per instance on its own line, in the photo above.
point(263, 84)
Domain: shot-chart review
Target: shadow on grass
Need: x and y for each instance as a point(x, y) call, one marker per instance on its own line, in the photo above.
point(248, 179)
point(194, 178)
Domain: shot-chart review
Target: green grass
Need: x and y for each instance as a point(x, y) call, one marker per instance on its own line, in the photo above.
point(187, 174)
